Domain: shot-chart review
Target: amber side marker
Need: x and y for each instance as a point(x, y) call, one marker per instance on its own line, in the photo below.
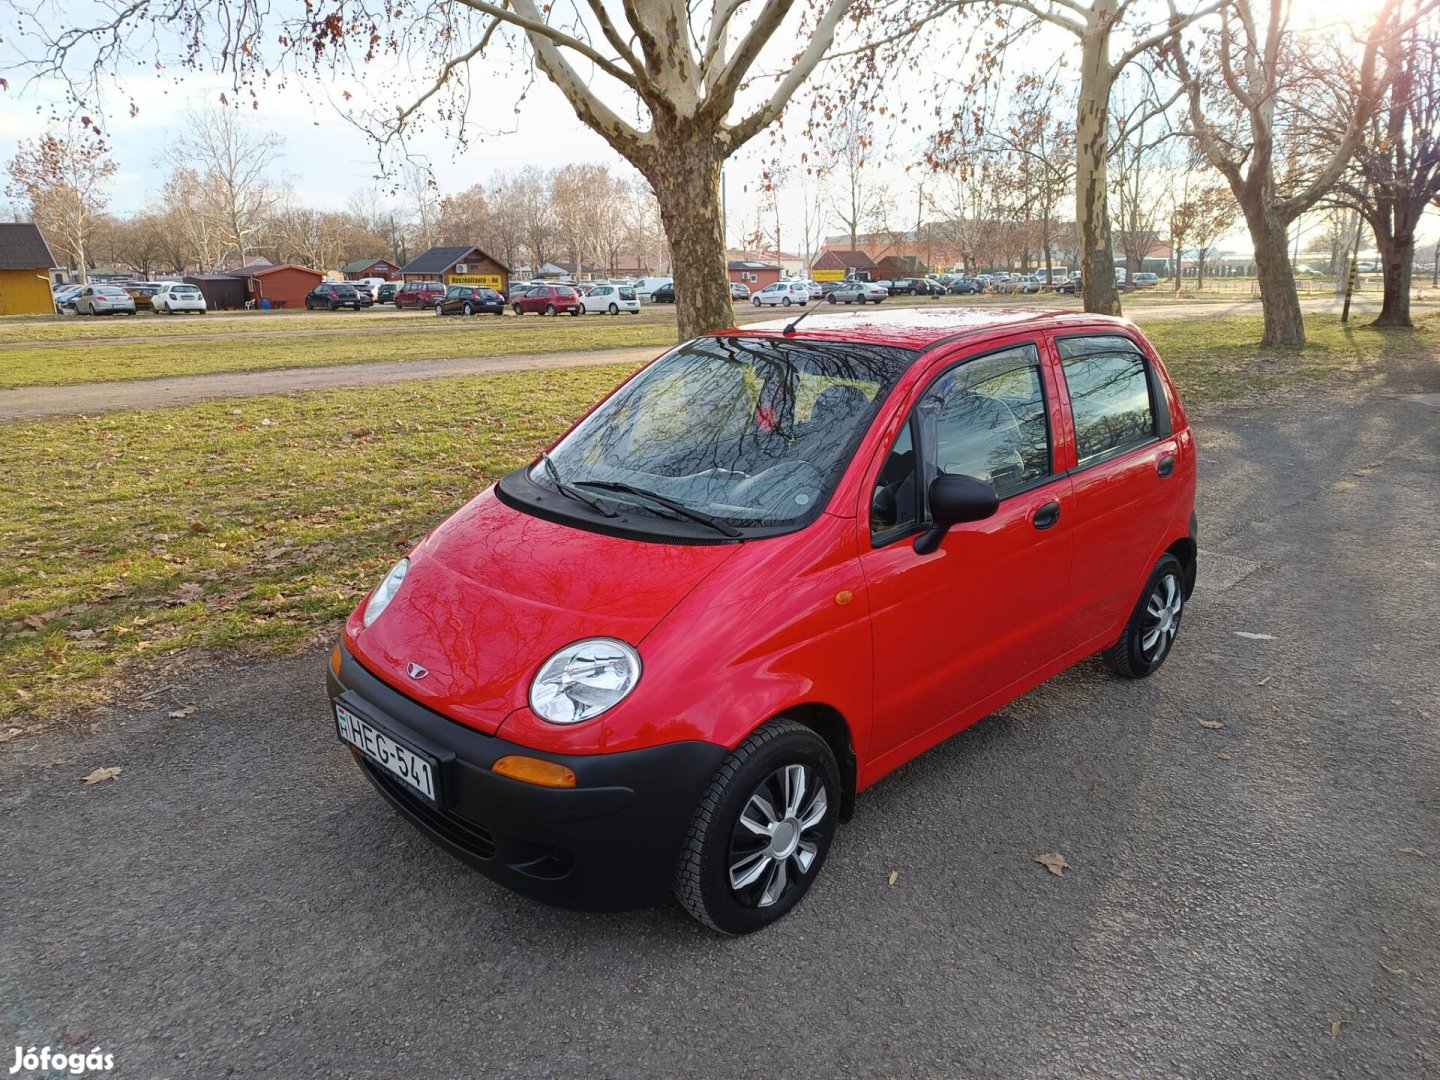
point(843, 597)
point(534, 771)
point(335, 661)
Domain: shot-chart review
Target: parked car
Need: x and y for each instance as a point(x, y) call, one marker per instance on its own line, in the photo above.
point(667, 655)
point(611, 299)
point(177, 296)
point(647, 285)
point(1145, 280)
point(141, 292)
point(665, 294)
point(857, 292)
point(1069, 287)
point(885, 284)
point(103, 300)
point(470, 300)
point(910, 286)
point(739, 291)
point(1028, 284)
point(812, 287)
point(64, 298)
point(419, 294)
point(547, 300)
point(371, 286)
point(782, 293)
point(965, 286)
point(333, 295)
point(385, 294)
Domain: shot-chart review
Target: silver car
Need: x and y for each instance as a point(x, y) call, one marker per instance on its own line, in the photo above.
point(104, 300)
point(858, 292)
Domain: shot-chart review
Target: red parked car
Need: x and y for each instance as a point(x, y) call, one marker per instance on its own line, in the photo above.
point(546, 300)
point(419, 294)
point(768, 569)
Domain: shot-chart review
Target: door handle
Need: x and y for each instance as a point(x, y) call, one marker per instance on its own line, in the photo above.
point(1166, 465)
point(1046, 515)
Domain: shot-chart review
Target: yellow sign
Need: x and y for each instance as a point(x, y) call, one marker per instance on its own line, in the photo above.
point(494, 281)
point(828, 275)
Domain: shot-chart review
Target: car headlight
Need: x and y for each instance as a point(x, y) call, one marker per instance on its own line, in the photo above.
point(584, 679)
point(385, 592)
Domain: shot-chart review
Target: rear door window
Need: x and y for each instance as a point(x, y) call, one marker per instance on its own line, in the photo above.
point(1112, 395)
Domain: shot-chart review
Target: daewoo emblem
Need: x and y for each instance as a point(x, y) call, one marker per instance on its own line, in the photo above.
point(416, 671)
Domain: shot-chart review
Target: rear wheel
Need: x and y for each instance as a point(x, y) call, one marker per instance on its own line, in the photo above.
point(786, 301)
point(1146, 640)
point(761, 831)
point(614, 309)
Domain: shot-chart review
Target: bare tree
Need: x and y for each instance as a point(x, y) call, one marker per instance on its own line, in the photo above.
point(1138, 166)
point(61, 184)
point(233, 162)
point(1395, 173)
point(1037, 148)
point(857, 199)
point(1249, 116)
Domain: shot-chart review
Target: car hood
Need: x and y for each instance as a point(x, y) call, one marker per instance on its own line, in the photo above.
point(493, 592)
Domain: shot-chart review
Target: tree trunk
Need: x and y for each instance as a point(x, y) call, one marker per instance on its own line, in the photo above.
point(1092, 212)
point(687, 186)
point(1200, 254)
point(1397, 261)
point(1279, 299)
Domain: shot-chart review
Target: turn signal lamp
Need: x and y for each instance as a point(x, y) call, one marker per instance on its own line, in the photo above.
point(535, 771)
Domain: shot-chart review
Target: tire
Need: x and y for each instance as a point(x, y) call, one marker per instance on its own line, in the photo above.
point(614, 309)
point(832, 298)
point(167, 310)
point(334, 306)
point(517, 310)
point(549, 309)
point(756, 301)
point(467, 310)
point(717, 842)
point(786, 301)
point(439, 309)
point(1156, 620)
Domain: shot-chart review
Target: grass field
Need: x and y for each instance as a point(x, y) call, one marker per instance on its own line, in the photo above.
point(257, 523)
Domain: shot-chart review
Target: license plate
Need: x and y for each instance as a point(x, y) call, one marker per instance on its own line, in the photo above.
point(415, 769)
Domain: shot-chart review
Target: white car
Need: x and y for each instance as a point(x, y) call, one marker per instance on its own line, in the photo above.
point(858, 292)
point(782, 294)
point(177, 296)
point(647, 285)
point(812, 287)
point(611, 299)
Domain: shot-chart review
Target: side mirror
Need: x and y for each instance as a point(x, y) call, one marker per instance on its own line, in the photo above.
point(953, 501)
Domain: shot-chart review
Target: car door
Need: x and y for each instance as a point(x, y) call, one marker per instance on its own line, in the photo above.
point(1123, 458)
point(957, 627)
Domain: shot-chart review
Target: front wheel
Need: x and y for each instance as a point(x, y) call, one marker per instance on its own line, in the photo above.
point(549, 309)
point(517, 310)
point(832, 298)
point(761, 831)
point(439, 309)
point(1145, 642)
point(756, 301)
point(468, 310)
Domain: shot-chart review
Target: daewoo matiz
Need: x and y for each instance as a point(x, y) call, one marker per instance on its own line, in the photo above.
point(771, 567)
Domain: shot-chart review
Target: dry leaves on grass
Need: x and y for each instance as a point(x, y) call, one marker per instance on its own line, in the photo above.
point(108, 772)
point(1054, 862)
point(1211, 725)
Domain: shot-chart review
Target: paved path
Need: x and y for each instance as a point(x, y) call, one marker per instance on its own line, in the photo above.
point(89, 399)
point(1259, 900)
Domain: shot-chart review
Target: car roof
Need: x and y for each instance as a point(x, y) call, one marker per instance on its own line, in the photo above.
point(919, 328)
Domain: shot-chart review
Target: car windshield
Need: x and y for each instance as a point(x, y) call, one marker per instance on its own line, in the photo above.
point(752, 431)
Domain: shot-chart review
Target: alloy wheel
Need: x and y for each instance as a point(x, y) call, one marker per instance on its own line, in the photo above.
point(1162, 617)
point(773, 845)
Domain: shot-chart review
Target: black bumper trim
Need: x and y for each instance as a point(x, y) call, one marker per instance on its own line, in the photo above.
point(608, 844)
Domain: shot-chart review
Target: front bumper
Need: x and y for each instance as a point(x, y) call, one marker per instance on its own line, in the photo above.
point(608, 844)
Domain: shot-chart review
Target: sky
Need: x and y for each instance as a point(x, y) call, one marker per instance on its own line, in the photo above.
point(327, 158)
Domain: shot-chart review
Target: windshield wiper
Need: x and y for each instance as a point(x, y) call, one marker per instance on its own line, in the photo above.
point(571, 490)
point(670, 504)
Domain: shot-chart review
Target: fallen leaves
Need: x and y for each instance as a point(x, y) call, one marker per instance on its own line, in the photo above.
point(11, 733)
point(182, 712)
point(894, 876)
point(1415, 851)
point(1392, 970)
point(108, 772)
point(1335, 1027)
point(1212, 725)
point(1054, 862)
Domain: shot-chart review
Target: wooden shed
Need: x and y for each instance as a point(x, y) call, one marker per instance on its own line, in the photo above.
point(361, 269)
point(25, 265)
point(838, 264)
point(283, 286)
point(459, 266)
point(222, 292)
point(753, 273)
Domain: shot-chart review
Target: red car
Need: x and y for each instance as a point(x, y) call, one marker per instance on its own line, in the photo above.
point(546, 300)
point(768, 569)
point(419, 294)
